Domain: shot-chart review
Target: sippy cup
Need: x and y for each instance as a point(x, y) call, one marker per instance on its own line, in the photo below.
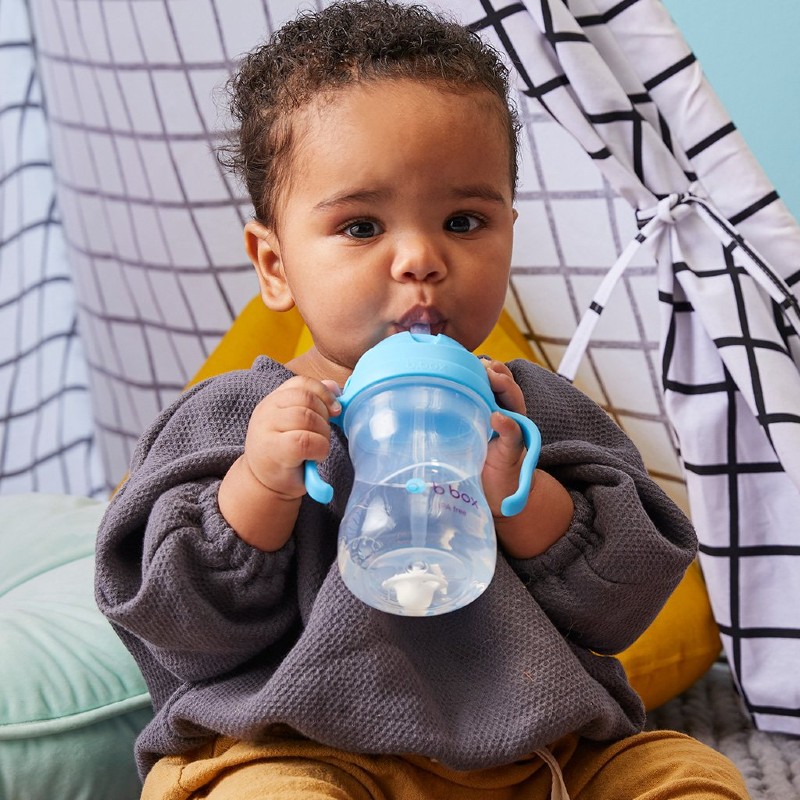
point(417, 537)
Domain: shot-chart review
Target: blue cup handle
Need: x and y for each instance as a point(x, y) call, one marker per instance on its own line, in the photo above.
point(317, 488)
point(514, 503)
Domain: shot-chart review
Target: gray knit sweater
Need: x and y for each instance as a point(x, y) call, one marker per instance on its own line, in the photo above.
point(232, 640)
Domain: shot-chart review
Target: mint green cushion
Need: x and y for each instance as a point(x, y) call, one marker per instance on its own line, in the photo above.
point(72, 700)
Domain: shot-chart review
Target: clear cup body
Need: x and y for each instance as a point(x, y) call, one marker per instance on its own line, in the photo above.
point(417, 537)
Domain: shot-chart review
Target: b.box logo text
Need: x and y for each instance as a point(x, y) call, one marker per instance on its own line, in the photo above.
point(455, 494)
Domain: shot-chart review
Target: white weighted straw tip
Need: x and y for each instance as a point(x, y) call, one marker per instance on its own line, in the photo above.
point(420, 327)
point(414, 588)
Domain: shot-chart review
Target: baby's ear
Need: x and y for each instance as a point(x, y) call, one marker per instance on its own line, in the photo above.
point(262, 246)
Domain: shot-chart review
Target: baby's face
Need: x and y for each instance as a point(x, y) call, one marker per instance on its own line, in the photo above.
point(397, 210)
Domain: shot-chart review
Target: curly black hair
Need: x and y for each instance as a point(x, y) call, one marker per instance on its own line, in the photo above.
point(347, 42)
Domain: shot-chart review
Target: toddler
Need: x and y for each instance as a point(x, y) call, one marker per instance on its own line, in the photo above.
point(379, 148)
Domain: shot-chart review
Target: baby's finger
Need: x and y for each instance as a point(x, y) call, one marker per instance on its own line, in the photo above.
point(316, 395)
point(505, 388)
point(335, 407)
point(304, 445)
point(301, 418)
point(509, 445)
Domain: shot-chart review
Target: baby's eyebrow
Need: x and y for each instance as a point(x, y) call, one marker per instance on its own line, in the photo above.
point(478, 191)
point(351, 197)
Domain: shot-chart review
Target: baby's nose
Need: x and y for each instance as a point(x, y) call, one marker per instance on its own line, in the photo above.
point(418, 259)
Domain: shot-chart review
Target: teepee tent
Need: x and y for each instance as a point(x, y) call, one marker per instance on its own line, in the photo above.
point(622, 81)
point(638, 199)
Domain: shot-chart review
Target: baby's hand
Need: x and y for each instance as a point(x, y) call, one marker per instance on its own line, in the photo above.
point(507, 450)
point(261, 492)
point(287, 428)
point(549, 509)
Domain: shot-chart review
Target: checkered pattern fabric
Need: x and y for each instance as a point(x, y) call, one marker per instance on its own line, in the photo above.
point(46, 430)
point(727, 256)
point(694, 353)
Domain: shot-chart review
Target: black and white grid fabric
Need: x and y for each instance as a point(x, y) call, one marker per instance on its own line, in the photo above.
point(622, 137)
point(46, 429)
point(619, 77)
point(153, 228)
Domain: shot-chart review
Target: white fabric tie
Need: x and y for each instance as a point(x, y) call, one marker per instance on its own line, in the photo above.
point(559, 788)
point(668, 212)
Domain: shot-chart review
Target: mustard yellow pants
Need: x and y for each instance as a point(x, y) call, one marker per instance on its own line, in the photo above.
point(658, 765)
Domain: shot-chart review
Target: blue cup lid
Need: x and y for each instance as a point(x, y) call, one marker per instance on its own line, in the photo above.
point(408, 354)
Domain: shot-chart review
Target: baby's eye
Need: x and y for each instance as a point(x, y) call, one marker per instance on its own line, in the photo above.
point(462, 223)
point(363, 229)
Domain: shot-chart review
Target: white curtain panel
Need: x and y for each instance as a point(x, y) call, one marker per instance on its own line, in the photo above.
point(153, 228)
point(46, 430)
point(620, 78)
point(622, 139)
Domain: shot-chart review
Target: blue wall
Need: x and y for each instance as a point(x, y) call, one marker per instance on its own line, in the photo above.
point(750, 52)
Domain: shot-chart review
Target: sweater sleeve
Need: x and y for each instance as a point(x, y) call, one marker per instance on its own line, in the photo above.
point(170, 572)
point(628, 545)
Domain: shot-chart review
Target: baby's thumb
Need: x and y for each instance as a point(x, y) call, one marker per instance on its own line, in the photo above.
point(333, 386)
point(335, 407)
point(509, 444)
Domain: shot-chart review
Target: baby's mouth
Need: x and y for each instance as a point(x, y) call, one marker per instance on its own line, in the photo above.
point(419, 319)
point(422, 327)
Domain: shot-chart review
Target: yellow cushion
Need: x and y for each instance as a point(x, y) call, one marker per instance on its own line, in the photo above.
point(683, 641)
point(678, 647)
point(257, 331)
